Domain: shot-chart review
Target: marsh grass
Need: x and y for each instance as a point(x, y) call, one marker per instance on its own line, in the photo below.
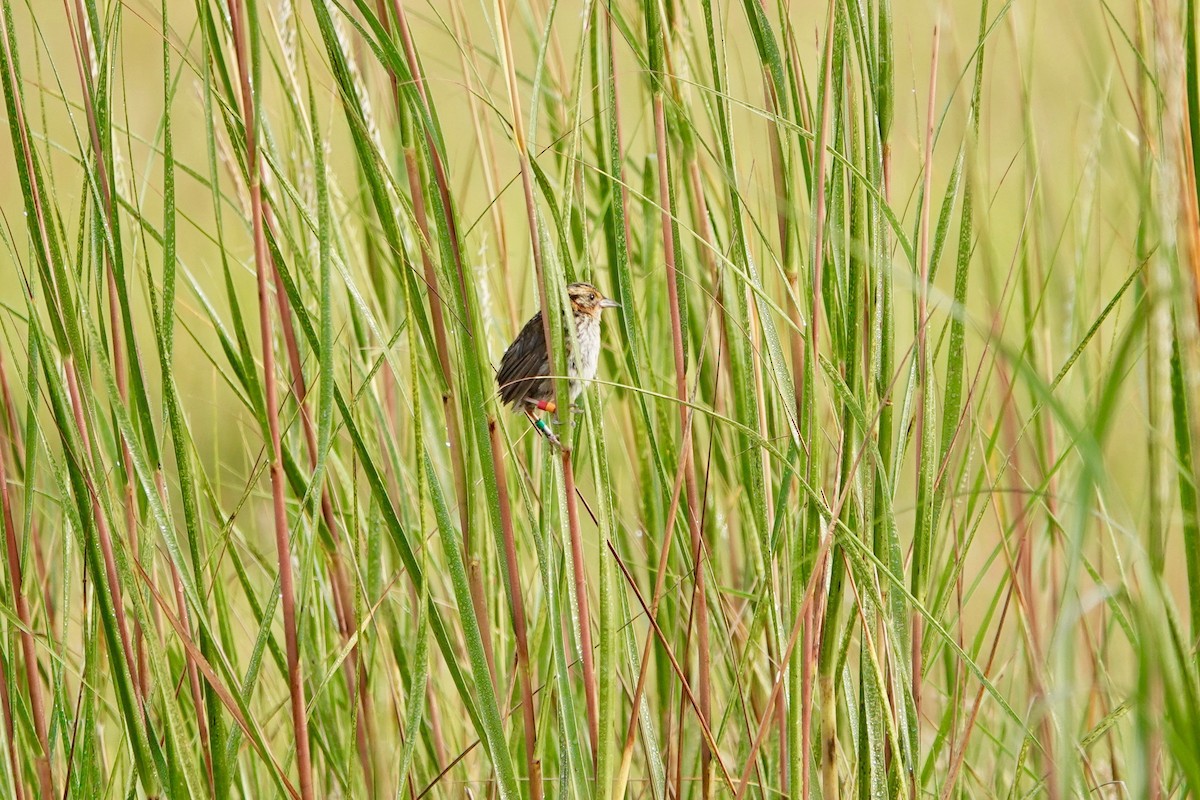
point(886, 486)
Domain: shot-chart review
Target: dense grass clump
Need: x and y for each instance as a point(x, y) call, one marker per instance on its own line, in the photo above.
point(886, 487)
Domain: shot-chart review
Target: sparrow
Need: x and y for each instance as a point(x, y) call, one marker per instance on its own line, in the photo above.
point(524, 374)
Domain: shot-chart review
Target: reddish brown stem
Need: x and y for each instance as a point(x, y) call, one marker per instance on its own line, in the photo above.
point(660, 582)
point(353, 668)
point(706, 732)
point(688, 465)
point(102, 532)
point(83, 58)
point(579, 567)
point(478, 595)
point(210, 676)
point(192, 672)
point(282, 541)
point(9, 732)
point(475, 580)
point(441, 340)
point(517, 608)
point(28, 651)
point(581, 594)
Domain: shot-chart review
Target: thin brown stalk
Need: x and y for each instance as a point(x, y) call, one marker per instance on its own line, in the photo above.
point(1020, 567)
point(517, 608)
point(43, 241)
point(439, 168)
point(270, 382)
point(474, 576)
point(437, 316)
point(81, 46)
point(354, 667)
point(210, 676)
point(449, 407)
point(578, 564)
point(192, 672)
point(10, 736)
point(692, 494)
point(102, 532)
point(660, 582)
point(28, 650)
point(705, 730)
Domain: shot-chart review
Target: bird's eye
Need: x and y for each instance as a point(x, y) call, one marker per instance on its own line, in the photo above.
point(592, 297)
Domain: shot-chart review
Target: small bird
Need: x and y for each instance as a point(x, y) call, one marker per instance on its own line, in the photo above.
point(524, 371)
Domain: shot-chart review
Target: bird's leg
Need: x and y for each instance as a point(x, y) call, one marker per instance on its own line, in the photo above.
point(539, 424)
point(550, 407)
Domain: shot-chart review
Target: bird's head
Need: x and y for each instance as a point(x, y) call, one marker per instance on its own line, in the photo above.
point(586, 299)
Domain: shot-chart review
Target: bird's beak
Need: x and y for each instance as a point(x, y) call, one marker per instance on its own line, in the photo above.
point(606, 303)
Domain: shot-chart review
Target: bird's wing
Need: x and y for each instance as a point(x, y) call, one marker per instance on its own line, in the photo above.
point(525, 358)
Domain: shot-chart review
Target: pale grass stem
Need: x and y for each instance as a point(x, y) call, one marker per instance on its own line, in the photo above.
point(924, 396)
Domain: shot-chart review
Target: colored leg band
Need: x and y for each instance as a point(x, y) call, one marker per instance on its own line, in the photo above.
point(540, 424)
point(546, 405)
